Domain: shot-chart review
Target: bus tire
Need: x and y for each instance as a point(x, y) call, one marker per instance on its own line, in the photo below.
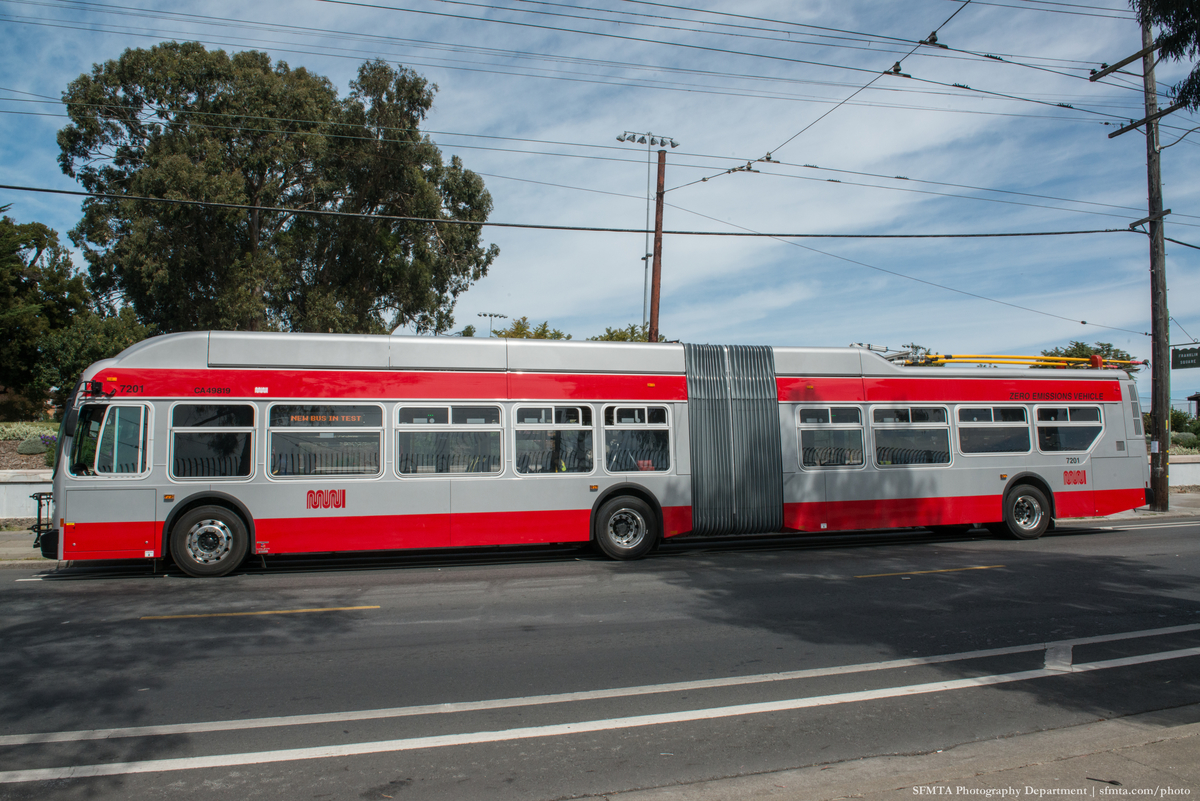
point(626, 528)
point(209, 541)
point(1026, 512)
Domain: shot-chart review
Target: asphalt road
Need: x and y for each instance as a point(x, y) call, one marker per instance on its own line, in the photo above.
point(544, 674)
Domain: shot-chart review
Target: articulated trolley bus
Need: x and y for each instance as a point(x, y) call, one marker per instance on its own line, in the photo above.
point(211, 446)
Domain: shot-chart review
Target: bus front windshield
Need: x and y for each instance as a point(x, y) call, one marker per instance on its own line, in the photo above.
point(108, 439)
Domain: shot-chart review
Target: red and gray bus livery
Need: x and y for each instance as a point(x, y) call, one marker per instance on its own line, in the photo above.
point(211, 446)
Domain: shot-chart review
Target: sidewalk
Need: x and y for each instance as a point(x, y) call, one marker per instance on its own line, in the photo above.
point(1156, 755)
point(16, 548)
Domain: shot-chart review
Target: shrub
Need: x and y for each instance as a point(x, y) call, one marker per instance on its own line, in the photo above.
point(1185, 439)
point(24, 431)
point(51, 443)
point(30, 446)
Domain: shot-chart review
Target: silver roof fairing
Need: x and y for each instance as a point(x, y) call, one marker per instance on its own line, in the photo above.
point(244, 349)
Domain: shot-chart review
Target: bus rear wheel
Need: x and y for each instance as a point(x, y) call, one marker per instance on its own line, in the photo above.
point(626, 528)
point(209, 541)
point(1026, 513)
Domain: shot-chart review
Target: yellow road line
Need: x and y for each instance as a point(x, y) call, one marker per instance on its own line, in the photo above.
point(246, 614)
point(922, 572)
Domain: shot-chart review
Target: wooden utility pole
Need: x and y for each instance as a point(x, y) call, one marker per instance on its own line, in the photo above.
point(656, 276)
point(1160, 347)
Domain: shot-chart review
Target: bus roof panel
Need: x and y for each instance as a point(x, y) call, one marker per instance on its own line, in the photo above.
point(187, 350)
point(269, 349)
point(554, 356)
point(447, 353)
point(817, 361)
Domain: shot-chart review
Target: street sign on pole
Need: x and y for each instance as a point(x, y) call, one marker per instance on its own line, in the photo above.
point(1182, 358)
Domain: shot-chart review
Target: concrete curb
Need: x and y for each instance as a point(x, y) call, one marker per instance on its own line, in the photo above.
point(1137, 752)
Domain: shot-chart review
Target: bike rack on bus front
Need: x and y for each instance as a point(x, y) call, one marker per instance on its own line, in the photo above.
point(39, 529)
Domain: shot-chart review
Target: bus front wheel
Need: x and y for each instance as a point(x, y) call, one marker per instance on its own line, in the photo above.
point(626, 528)
point(209, 541)
point(1026, 513)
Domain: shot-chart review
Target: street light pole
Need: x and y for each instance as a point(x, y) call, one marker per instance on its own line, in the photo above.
point(656, 282)
point(651, 260)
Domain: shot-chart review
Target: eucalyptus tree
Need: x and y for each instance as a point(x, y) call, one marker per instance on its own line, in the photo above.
point(231, 192)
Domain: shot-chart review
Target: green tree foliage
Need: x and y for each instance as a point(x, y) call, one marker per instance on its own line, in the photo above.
point(631, 333)
point(1179, 23)
point(179, 122)
point(521, 329)
point(39, 293)
point(1082, 350)
point(89, 338)
point(1184, 422)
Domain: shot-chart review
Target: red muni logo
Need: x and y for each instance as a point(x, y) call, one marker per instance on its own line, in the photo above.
point(326, 499)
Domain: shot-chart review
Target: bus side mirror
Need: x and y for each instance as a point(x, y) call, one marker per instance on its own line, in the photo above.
point(69, 420)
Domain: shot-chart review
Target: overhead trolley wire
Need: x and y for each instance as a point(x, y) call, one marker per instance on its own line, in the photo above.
point(851, 96)
point(152, 121)
point(597, 229)
point(745, 232)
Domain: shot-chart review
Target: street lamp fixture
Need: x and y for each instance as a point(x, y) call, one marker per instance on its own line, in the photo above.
point(651, 140)
point(490, 318)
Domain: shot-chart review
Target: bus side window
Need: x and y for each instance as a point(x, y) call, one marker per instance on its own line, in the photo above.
point(636, 438)
point(1002, 429)
point(1073, 428)
point(916, 435)
point(325, 440)
point(830, 436)
point(553, 439)
point(212, 440)
point(463, 439)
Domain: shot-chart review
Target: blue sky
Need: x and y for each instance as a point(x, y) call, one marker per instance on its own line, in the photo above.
point(533, 94)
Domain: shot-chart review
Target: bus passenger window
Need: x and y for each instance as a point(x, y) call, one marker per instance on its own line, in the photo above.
point(636, 439)
point(326, 440)
point(1068, 429)
point(543, 446)
point(919, 435)
point(468, 443)
point(831, 437)
point(212, 440)
point(993, 430)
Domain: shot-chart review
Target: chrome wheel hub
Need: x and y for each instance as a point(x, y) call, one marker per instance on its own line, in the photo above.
point(627, 528)
point(209, 541)
point(1027, 513)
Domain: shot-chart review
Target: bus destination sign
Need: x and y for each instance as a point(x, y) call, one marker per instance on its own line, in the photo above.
point(1182, 358)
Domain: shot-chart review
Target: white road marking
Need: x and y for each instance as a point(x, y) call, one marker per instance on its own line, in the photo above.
point(557, 730)
point(1132, 526)
point(559, 698)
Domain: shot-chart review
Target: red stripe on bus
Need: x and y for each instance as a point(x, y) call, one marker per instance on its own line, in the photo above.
point(809, 390)
point(111, 540)
point(676, 520)
point(946, 390)
point(969, 390)
point(891, 513)
point(1075, 503)
point(554, 386)
point(357, 533)
point(520, 528)
point(1109, 502)
point(360, 384)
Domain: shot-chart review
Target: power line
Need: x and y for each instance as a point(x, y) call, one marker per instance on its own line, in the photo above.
point(745, 232)
point(786, 238)
point(932, 283)
point(167, 123)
